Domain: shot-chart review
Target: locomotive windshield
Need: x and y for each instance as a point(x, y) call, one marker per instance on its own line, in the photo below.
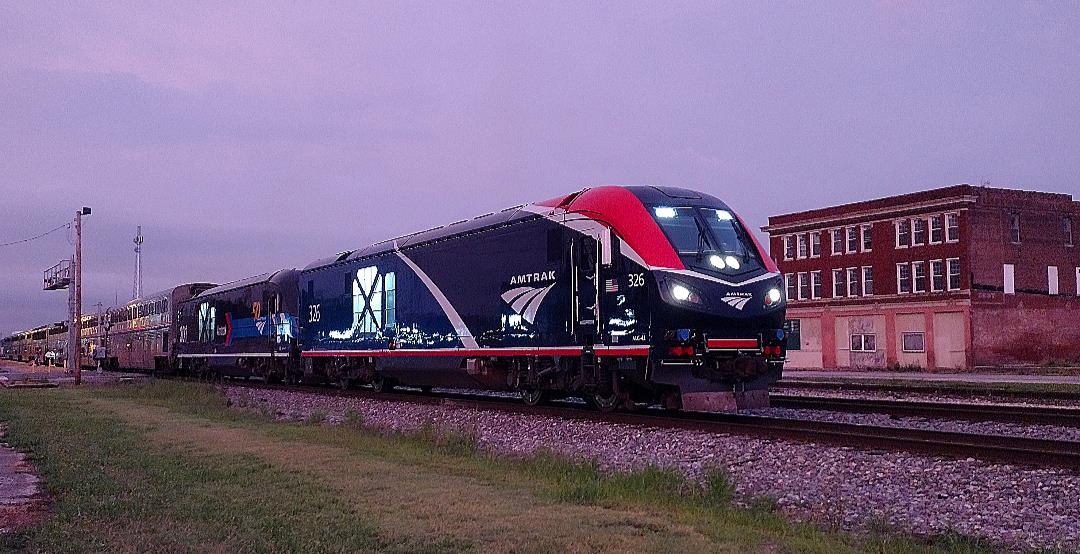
point(711, 238)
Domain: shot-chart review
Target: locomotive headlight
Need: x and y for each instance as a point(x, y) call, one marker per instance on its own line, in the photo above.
point(772, 297)
point(680, 292)
point(732, 262)
point(717, 262)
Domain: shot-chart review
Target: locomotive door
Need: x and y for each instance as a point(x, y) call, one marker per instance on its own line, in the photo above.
point(271, 305)
point(585, 306)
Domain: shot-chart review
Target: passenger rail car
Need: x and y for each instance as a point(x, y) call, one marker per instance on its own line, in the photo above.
point(138, 335)
point(245, 328)
point(618, 294)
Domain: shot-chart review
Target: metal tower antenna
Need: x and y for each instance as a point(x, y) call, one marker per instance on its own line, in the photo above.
point(136, 287)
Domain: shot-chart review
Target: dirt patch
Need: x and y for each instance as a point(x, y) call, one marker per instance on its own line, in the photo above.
point(21, 501)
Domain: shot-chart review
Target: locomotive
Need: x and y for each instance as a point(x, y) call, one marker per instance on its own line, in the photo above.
point(618, 295)
point(615, 294)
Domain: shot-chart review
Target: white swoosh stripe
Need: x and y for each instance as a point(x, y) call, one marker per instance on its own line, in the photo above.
point(459, 324)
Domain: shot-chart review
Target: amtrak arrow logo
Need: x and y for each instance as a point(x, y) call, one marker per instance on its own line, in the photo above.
point(737, 302)
point(525, 301)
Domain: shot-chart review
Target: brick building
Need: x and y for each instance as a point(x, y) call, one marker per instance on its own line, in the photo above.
point(956, 277)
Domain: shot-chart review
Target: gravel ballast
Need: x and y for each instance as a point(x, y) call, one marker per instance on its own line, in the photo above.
point(1017, 507)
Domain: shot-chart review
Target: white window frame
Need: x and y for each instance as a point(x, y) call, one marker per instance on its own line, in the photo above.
point(838, 279)
point(944, 279)
point(837, 233)
point(865, 231)
point(1078, 281)
point(903, 342)
point(899, 280)
point(949, 262)
point(787, 239)
point(896, 228)
point(930, 228)
point(949, 237)
point(915, 280)
point(817, 253)
point(1008, 278)
point(802, 280)
point(862, 342)
point(926, 230)
point(862, 272)
point(787, 287)
point(1053, 283)
point(815, 285)
point(852, 272)
point(848, 237)
point(802, 246)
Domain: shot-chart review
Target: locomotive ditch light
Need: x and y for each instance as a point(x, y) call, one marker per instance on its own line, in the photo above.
point(772, 297)
point(680, 292)
point(717, 262)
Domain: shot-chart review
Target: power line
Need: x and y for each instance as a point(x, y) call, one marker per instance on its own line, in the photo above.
point(37, 237)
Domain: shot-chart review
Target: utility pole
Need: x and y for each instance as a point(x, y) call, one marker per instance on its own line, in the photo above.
point(74, 326)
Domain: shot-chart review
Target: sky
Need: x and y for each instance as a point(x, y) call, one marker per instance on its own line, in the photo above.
point(248, 136)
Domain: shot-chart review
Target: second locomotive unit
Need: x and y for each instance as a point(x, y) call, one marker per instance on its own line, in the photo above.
point(615, 294)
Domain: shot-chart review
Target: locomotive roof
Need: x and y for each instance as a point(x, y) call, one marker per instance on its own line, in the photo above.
point(241, 283)
point(645, 194)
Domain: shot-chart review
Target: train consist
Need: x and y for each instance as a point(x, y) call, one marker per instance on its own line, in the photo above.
point(614, 294)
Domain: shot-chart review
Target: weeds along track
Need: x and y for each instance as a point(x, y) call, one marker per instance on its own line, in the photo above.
point(991, 448)
point(1031, 415)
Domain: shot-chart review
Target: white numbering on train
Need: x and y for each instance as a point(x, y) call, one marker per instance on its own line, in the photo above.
point(637, 280)
point(313, 313)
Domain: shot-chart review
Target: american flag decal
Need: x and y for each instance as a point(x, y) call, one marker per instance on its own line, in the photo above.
point(611, 285)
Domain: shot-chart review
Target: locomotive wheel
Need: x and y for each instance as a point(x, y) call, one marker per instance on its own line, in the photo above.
point(381, 384)
point(344, 383)
point(607, 402)
point(532, 396)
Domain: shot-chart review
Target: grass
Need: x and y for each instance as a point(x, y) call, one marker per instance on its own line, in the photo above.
point(169, 467)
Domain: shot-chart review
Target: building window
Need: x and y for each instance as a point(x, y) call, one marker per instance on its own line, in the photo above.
point(863, 343)
point(913, 342)
point(918, 277)
point(837, 241)
point(1078, 281)
point(838, 286)
point(815, 284)
point(937, 229)
point(918, 232)
point(853, 281)
point(1014, 228)
point(1066, 229)
point(867, 244)
point(867, 281)
point(903, 278)
point(804, 286)
point(903, 233)
point(804, 248)
point(789, 282)
point(1052, 279)
point(789, 247)
point(937, 275)
point(852, 239)
point(954, 273)
point(952, 227)
point(793, 331)
point(1008, 279)
point(815, 244)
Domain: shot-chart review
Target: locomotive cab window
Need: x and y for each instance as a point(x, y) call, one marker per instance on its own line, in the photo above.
point(710, 238)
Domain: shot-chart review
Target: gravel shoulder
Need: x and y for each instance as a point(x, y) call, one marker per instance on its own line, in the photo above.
point(1019, 508)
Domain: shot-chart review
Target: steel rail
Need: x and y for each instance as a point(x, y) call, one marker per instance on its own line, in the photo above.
point(1038, 415)
point(932, 387)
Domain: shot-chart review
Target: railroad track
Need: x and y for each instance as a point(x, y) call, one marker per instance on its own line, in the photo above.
point(1039, 415)
point(931, 387)
point(994, 448)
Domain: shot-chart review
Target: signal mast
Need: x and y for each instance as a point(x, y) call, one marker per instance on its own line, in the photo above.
point(136, 286)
